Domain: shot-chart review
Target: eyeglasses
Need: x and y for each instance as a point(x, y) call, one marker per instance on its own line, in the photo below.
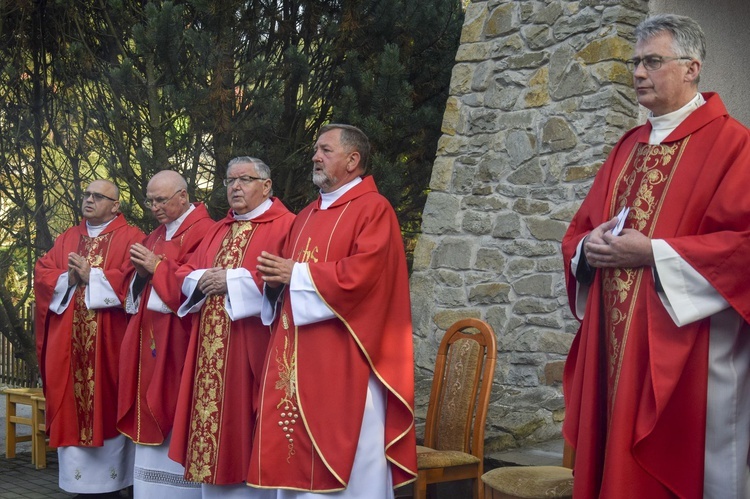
point(151, 203)
point(96, 196)
point(244, 180)
point(652, 62)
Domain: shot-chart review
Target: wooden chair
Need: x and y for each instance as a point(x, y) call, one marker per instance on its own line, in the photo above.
point(13, 398)
point(532, 482)
point(454, 430)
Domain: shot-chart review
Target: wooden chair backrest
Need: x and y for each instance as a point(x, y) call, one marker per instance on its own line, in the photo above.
point(461, 388)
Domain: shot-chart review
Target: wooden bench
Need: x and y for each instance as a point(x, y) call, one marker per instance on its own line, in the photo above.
point(13, 398)
point(39, 440)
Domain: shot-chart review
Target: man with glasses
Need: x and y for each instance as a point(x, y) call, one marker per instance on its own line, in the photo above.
point(80, 286)
point(215, 417)
point(155, 344)
point(657, 380)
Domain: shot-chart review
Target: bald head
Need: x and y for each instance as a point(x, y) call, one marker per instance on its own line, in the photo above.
point(169, 178)
point(166, 196)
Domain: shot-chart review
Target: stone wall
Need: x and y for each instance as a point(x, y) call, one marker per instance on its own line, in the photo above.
point(539, 96)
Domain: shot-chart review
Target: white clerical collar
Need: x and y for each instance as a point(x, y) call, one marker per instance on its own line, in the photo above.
point(662, 126)
point(95, 230)
point(328, 198)
point(175, 224)
point(258, 211)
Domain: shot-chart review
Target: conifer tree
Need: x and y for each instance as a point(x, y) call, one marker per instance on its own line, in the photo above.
point(122, 89)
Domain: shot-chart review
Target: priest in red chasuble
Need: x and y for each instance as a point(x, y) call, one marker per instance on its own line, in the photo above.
point(657, 382)
point(215, 416)
point(336, 406)
point(80, 287)
point(155, 343)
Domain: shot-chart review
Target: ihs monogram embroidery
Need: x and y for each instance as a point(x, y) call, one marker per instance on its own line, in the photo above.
point(308, 254)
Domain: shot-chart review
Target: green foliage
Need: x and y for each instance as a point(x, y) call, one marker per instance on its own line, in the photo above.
point(123, 90)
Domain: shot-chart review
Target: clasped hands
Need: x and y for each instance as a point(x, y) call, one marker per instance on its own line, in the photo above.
point(629, 249)
point(78, 269)
point(144, 260)
point(275, 272)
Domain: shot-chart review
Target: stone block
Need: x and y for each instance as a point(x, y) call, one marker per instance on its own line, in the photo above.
point(474, 20)
point(461, 78)
point(553, 372)
point(537, 36)
point(582, 172)
point(474, 52)
point(442, 173)
point(537, 285)
point(490, 259)
point(507, 225)
point(531, 249)
point(528, 60)
point(558, 134)
point(518, 267)
point(529, 174)
point(574, 81)
point(454, 253)
point(604, 49)
point(422, 255)
point(447, 277)
point(490, 294)
point(546, 13)
point(545, 229)
point(500, 21)
point(440, 214)
point(477, 223)
point(446, 318)
point(520, 145)
point(531, 207)
point(450, 297)
point(533, 305)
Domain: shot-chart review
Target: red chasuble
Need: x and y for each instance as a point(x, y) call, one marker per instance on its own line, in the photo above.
point(79, 349)
point(215, 416)
point(155, 343)
point(635, 383)
point(315, 379)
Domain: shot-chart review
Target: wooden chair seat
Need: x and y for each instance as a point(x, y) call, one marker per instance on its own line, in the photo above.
point(430, 458)
point(528, 482)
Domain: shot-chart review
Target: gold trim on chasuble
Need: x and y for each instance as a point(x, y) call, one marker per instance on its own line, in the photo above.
point(288, 406)
point(152, 345)
point(84, 340)
point(210, 370)
point(643, 185)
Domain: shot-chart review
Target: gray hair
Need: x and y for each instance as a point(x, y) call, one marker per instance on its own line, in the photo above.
point(262, 169)
point(352, 138)
point(688, 39)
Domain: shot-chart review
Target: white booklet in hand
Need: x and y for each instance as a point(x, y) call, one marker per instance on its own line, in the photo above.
point(620, 221)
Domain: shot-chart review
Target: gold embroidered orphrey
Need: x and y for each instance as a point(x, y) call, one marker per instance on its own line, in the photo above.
point(286, 366)
point(286, 362)
point(84, 341)
point(211, 365)
point(643, 185)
